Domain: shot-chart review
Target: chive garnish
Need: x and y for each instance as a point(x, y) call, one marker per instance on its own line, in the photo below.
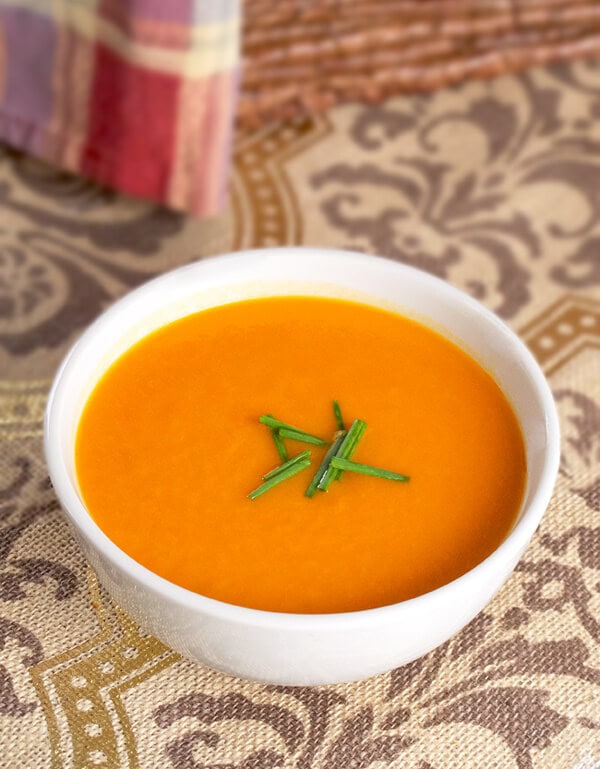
point(345, 451)
point(270, 421)
point(339, 419)
point(275, 480)
point(324, 466)
point(337, 459)
point(297, 435)
point(357, 467)
point(293, 461)
point(279, 445)
point(267, 419)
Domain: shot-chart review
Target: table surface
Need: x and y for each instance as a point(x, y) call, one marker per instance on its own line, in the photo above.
point(493, 186)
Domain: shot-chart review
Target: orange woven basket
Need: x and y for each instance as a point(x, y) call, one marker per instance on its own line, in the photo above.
point(307, 55)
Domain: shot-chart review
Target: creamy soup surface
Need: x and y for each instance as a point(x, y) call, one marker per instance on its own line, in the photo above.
point(169, 446)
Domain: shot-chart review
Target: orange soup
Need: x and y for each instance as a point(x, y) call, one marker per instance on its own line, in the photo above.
point(169, 446)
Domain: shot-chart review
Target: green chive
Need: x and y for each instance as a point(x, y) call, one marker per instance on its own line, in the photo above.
point(285, 465)
point(267, 419)
point(356, 467)
point(279, 478)
point(324, 466)
point(347, 449)
point(337, 413)
point(279, 445)
point(270, 421)
point(302, 437)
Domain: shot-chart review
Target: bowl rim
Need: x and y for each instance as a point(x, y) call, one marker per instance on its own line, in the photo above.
point(508, 551)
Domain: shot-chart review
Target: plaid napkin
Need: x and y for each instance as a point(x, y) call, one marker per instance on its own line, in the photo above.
point(137, 94)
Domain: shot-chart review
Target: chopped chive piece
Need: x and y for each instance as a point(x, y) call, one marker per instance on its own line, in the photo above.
point(346, 449)
point(285, 465)
point(324, 466)
point(279, 478)
point(302, 437)
point(356, 467)
point(337, 413)
point(270, 421)
point(279, 445)
point(267, 419)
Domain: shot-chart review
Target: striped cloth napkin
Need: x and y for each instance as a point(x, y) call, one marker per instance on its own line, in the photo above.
point(136, 94)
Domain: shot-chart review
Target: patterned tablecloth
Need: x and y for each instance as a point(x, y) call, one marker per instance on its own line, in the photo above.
point(493, 186)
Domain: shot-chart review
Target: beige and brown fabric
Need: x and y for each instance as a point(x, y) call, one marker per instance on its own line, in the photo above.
point(493, 186)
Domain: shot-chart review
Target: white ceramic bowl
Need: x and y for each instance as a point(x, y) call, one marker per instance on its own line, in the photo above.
point(291, 648)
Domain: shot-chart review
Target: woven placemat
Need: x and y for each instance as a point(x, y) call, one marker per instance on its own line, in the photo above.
point(492, 186)
point(307, 55)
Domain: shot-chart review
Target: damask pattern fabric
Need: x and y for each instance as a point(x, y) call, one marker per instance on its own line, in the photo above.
point(138, 94)
point(491, 186)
